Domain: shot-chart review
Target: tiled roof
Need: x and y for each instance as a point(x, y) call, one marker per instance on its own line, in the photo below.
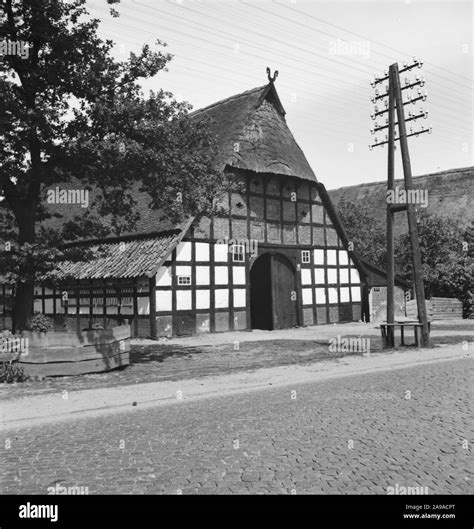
point(124, 259)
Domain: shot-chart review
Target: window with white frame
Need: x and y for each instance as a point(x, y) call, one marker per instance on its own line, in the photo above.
point(184, 280)
point(238, 253)
point(305, 256)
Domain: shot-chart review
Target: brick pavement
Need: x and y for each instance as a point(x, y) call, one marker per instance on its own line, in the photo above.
point(357, 435)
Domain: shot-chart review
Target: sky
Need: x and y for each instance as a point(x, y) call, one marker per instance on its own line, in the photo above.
point(326, 53)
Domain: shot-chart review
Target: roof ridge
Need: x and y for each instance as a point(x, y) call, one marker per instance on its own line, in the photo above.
point(227, 100)
point(117, 239)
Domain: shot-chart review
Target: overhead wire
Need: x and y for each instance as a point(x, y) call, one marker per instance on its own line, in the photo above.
point(436, 97)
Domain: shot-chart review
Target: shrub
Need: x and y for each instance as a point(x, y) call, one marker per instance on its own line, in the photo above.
point(11, 372)
point(41, 323)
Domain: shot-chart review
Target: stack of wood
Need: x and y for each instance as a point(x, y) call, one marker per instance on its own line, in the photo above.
point(447, 308)
point(437, 309)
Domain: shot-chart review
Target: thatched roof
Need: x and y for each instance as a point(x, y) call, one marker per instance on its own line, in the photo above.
point(252, 134)
point(253, 120)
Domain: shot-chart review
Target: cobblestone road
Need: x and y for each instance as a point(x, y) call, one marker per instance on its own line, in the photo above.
point(360, 435)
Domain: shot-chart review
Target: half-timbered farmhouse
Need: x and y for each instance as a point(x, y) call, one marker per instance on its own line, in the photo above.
point(277, 257)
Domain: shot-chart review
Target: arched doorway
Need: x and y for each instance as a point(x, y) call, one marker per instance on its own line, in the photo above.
point(273, 293)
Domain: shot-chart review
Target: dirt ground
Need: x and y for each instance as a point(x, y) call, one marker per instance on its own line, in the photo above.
point(225, 353)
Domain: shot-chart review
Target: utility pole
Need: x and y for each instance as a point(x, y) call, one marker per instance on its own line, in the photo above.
point(390, 219)
point(395, 100)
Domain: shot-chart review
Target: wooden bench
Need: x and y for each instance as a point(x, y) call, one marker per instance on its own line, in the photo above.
point(388, 332)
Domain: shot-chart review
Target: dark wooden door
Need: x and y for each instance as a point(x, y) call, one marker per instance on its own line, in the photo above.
point(284, 303)
point(261, 294)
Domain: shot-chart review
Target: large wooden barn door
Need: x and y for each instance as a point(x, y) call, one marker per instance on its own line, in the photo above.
point(261, 312)
point(284, 293)
point(272, 293)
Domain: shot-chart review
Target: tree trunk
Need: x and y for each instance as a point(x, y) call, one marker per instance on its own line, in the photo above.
point(24, 292)
point(23, 308)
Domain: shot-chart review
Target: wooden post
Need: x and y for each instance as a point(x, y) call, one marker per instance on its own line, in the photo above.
point(390, 186)
point(91, 303)
point(104, 304)
point(78, 306)
point(412, 227)
point(118, 293)
point(135, 308)
point(152, 294)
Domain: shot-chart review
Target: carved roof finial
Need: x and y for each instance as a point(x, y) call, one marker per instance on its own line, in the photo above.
point(270, 78)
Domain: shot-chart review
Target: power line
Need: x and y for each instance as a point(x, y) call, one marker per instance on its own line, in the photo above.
point(374, 41)
point(206, 40)
point(328, 34)
point(134, 29)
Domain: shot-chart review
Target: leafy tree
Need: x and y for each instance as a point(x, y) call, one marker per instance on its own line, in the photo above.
point(70, 112)
point(446, 255)
point(446, 250)
point(366, 233)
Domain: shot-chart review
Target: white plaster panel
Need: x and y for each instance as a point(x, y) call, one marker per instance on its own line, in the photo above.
point(111, 309)
point(202, 275)
point(320, 296)
point(163, 277)
point(332, 275)
point(221, 275)
point(163, 301)
point(306, 276)
point(183, 271)
point(183, 251)
point(48, 306)
point(202, 251)
point(307, 296)
point(221, 253)
point(203, 299)
point(183, 300)
point(355, 293)
point(332, 257)
point(355, 278)
point(343, 257)
point(318, 256)
point(238, 275)
point(344, 275)
point(97, 310)
point(345, 295)
point(37, 306)
point(59, 307)
point(319, 276)
point(332, 294)
point(239, 297)
point(221, 298)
